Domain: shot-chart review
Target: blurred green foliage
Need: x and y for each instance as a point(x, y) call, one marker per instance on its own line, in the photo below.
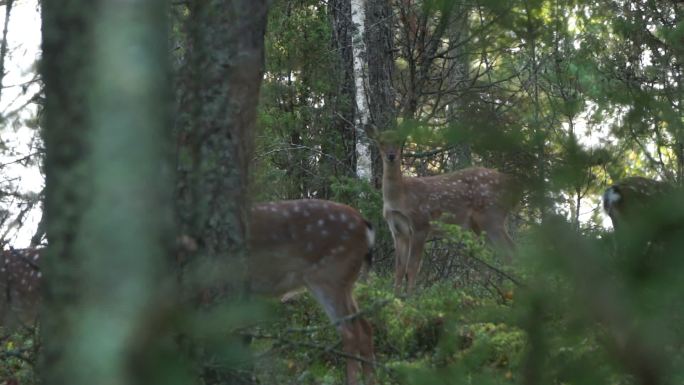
point(568, 95)
point(582, 316)
point(18, 356)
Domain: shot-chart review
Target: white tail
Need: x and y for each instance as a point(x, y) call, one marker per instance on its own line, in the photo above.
point(321, 245)
point(19, 286)
point(477, 198)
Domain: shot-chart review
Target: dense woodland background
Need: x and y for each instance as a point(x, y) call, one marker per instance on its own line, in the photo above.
point(190, 111)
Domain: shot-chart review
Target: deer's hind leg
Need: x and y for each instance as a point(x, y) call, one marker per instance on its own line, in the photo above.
point(493, 223)
point(336, 299)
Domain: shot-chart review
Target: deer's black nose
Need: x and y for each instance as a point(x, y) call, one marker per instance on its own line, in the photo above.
point(391, 157)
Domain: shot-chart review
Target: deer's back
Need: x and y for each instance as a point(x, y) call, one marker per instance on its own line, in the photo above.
point(289, 239)
point(460, 192)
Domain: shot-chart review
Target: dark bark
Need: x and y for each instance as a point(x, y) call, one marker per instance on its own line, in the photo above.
point(379, 48)
point(106, 197)
point(39, 234)
point(67, 42)
point(219, 90)
point(343, 100)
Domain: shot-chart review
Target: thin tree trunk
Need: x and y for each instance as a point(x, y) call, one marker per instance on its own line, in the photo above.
point(4, 43)
point(578, 206)
point(460, 155)
point(107, 203)
point(381, 96)
point(343, 100)
point(363, 154)
point(540, 196)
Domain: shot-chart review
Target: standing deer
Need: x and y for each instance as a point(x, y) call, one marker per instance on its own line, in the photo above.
point(476, 198)
point(19, 286)
point(321, 245)
point(647, 216)
point(628, 199)
point(313, 243)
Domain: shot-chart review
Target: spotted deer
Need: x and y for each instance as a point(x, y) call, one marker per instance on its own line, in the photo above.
point(476, 198)
point(628, 199)
point(19, 287)
point(317, 244)
point(321, 245)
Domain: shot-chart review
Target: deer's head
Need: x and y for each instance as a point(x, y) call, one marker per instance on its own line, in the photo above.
point(629, 199)
point(390, 144)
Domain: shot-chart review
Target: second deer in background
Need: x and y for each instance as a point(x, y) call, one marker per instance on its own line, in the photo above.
point(477, 199)
point(629, 199)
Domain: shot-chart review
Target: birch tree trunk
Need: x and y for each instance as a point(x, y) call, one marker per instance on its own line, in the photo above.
point(363, 153)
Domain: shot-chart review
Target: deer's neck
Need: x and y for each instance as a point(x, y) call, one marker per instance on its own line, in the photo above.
point(392, 183)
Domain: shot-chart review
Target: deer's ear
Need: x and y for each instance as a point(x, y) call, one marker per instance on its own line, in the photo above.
point(372, 132)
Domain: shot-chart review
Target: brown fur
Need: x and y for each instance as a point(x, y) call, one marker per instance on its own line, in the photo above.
point(476, 198)
point(627, 199)
point(321, 245)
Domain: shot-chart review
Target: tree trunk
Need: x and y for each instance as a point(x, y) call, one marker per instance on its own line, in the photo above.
point(219, 91)
point(4, 47)
point(107, 203)
point(343, 100)
point(381, 95)
point(363, 154)
point(460, 156)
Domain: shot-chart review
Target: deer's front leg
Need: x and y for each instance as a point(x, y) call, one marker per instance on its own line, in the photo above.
point(402, 231)
point(415, 257)
point(401, 249)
